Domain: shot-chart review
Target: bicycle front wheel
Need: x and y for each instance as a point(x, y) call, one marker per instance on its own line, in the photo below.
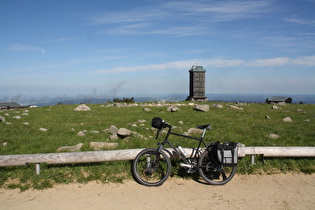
point(214, 172)
point(151, 168)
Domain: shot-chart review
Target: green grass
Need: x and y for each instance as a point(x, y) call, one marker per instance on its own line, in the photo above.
point(247, 126)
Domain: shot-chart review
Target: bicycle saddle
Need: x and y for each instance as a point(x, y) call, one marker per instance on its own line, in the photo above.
point(207, 127)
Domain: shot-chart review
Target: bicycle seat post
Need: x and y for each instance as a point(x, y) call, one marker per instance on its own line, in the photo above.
point(203, 133)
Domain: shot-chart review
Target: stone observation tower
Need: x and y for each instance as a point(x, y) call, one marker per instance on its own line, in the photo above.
point(197, 84)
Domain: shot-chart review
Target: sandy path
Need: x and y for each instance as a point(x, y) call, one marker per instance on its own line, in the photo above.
point(290, 191)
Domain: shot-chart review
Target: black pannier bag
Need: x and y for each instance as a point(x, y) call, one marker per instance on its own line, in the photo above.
point(157, 123)
point(227, 153)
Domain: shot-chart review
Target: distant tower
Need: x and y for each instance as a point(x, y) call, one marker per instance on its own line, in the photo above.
point(197, 84)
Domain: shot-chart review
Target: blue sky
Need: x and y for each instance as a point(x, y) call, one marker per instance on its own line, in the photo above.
point(146, 47)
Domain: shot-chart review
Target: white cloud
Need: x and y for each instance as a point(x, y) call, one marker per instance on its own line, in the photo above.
point(63, 39)
point(219, 63)
point(304, 61)
point(269, 62)
point(299, 21)
point(186, 17)
point(22, 47)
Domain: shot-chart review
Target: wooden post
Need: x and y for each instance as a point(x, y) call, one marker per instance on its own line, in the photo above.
point(37, 166)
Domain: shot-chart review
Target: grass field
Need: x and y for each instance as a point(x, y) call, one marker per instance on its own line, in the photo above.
point(248, 126)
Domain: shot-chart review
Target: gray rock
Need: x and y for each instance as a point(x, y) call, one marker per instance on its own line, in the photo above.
point(173, 109)
point(43, 129)
point(193, 131)
point(17, 117)
point(203, 108)
point(287, 119)
point(2, 119)
point(113, 130)
point(94, 132)
point(146, 109)
point(123, 132)
point(81, 133)
point(75, 148)
point(235, 107)
point(217, 106)
point(82, 107)
point(103, 145)
point(273, 136)
point(113, 137)
point(274, 107)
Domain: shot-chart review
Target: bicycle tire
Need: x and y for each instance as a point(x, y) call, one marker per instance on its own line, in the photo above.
point(212, 171)
point(151, 168)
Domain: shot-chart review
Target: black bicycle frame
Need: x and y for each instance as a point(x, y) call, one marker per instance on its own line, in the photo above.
point(166, 141)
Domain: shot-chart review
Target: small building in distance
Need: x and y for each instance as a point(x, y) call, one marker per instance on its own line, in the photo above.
point(278, 99)
point(197, 84)
point(11, 105)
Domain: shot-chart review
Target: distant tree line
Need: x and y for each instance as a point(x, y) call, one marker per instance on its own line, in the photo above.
point(125, 100)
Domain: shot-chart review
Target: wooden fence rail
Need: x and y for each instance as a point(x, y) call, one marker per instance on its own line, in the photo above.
point(130, 154)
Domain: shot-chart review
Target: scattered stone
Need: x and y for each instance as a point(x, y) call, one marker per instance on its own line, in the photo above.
point(81, 133)
point(191, 104)
point(82, 107)
point(75, 148)
point(142, 121)
point(103, 145)
point(25, 123)
point(2, 119)
point(17, 117)
point(273, 136)
point(95, 132)
point(24, 114)
point(113, 130)
point(193, 131)
point(301, 111)
point(173, 109)
point(202, 108)
point(307, 120)
point(240, 145)
point(217, 106)
point(43, 129)
point(287, 119)
point(180, 122)
point(267, 117)
point(146, 109)
point(119, 105)
point(4, 144)
point(235, 107)
point(282, 103)
point(275, 107)
point(72, 129)
point(123, 132)
point(134, 125)
point(113, 137)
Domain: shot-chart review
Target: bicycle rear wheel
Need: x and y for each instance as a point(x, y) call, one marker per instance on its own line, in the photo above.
point(214, 172)
point(151, 168)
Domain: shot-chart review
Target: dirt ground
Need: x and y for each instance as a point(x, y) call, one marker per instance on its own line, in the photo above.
point(281, 191)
